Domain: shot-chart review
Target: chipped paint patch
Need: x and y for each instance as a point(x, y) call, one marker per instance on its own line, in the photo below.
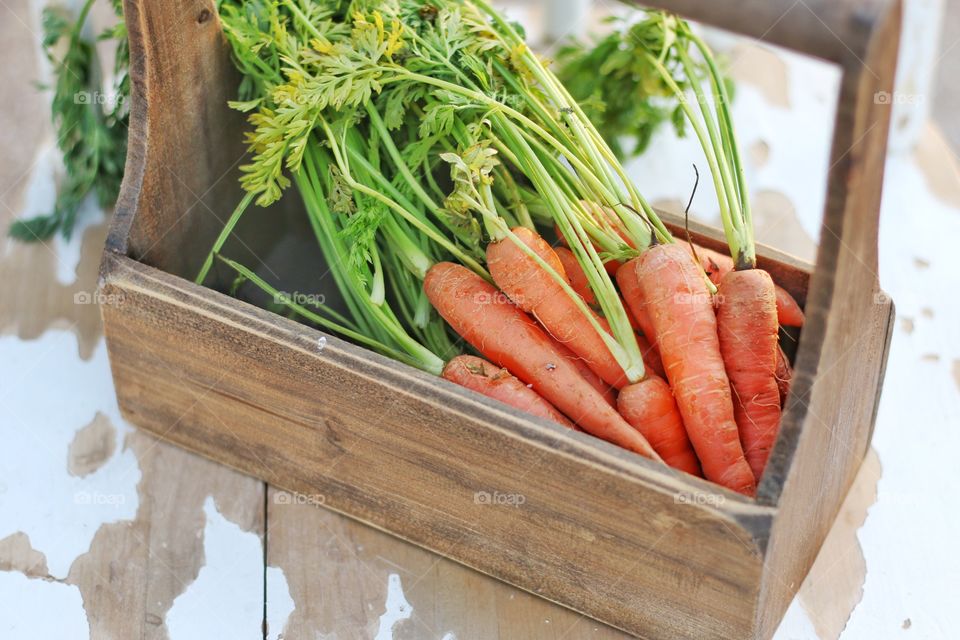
point(907, 324)
point(397, 609)
point(226, 599)
point(48, 393)
point(279, 603)
point(16, 554)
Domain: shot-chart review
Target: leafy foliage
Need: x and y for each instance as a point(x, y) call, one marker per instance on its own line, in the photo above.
point(619, 87)
point(91, 126)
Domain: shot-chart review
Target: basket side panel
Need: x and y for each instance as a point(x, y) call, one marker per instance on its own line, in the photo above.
point(836, 391)
point(185, 141)
point(428, 462)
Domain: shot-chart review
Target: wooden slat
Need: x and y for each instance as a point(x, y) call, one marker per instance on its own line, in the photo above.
point(338, 572)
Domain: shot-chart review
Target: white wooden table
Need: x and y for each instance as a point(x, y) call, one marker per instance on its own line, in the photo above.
point(107, 533)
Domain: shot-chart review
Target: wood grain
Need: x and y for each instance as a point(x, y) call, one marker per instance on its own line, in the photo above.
point(338, 569)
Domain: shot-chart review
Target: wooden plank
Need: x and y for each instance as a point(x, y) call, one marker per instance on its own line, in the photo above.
point(345, 577)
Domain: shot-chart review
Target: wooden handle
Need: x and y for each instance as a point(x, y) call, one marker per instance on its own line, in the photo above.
point(827, 29)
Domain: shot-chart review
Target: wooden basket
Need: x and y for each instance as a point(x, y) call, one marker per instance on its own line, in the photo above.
point(603, 531)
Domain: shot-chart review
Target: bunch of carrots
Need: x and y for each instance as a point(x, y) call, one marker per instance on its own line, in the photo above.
point(435, 154)
point(716, 379)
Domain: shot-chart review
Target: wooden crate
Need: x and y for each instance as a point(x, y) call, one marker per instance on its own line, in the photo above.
point(600, 530)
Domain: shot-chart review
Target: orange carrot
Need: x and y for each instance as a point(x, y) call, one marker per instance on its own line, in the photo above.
point(789, 313)
point(747, 328)
point(576, 276)
point(680, 308)
point(479, 375)
point(717, 265)
point(651, 408)
point(784, 377)
point(651, 357)
point(578, 282)
point(536, 292)
point(609, 393)
point(611, 265)
point(506, 336)
point(629, 282)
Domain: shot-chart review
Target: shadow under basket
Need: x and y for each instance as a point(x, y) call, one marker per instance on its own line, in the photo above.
point(603, 531)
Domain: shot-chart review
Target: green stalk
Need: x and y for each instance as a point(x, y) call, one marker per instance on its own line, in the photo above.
point(312, 316)
point(726, 118)
point(729, 225)
point(224, 234)
point(432, 233)
point(387, 141)
point(715, 140)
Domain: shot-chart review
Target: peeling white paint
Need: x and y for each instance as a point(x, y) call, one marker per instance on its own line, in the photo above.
point(279, 603)
point(226, 599)
point(396, 608)
point(37, 609)
point(47, 393)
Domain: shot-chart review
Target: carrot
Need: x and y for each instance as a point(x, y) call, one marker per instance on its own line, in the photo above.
point(651, 357)
point(479, 375)
point(789, 313)
point(576, 276)
point(629, 282)
point(509, 338)
point(651, 408)
point(747, 328)
point(680, 307)
point(609, 393)
point(533, 290)
point(611, 265)
point(717, 265)
point(784, 377)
